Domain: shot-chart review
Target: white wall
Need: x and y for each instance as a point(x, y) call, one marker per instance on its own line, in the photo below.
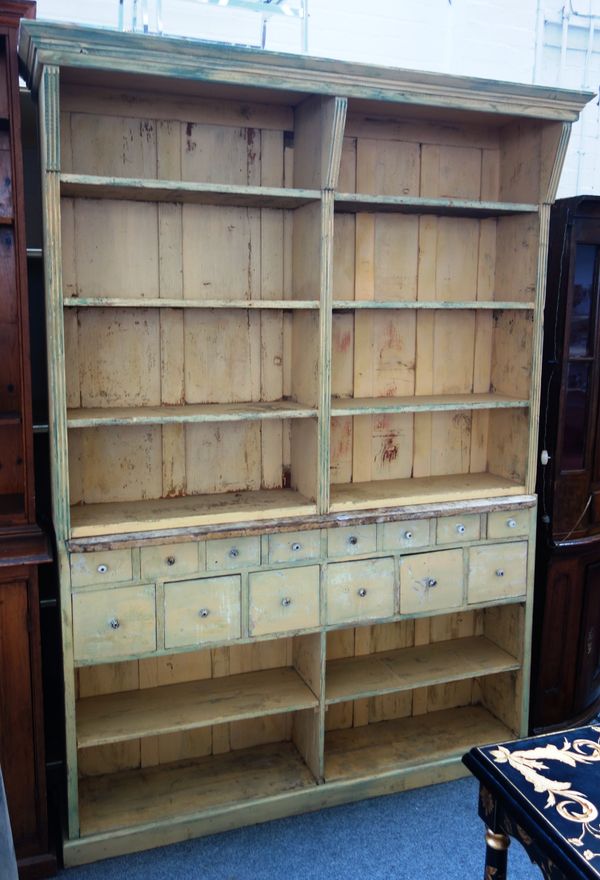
point(543, 41)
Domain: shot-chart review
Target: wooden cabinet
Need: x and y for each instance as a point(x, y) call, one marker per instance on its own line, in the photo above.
point(295, 321)
point(23, 546)
point(565, 658)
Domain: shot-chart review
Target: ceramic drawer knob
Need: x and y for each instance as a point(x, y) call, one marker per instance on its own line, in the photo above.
point(511, 523)
point(353, 540)
point(408, 535)
point(234, 552)
point(114, 623)
point(296, 547)
point(362, 592)
point(460, 529)
point(204, 612)
point(102, 569)
point(431, 582)
point(286, 601)
point(500, 572)
point(170, 560)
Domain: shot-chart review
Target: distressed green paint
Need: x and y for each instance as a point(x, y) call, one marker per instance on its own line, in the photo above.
point(357, 202)
point(325, 345)
point(500, 305)
point(152, 303)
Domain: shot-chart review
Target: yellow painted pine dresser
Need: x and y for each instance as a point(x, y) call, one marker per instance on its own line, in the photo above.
point(294, 323)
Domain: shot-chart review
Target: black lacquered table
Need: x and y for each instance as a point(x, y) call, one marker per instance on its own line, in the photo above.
point(545, 793)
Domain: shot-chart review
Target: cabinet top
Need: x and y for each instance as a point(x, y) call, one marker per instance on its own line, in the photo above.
point(86, 54)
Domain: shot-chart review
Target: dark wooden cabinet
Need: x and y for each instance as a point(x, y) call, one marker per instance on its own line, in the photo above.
point(566, 648)
point(23, 545)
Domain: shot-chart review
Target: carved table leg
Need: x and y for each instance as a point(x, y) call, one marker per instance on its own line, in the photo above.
point(496, 851)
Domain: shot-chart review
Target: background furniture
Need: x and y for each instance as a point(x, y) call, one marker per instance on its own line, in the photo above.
point(566, 657)
point(23, 546)
point(293, 313)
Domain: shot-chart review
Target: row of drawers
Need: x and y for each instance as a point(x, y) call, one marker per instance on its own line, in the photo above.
point(121, 622)
point(176, 560)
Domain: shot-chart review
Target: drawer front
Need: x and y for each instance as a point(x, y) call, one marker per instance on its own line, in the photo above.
point(114, 623)
point(360, 590)
point(283, 601)
point(101, 567)
point(294, 546)
point(352, 541)
point(171, 560)
point(202, 610)
point(497, 571)
point(431, 581)
point(453, 529)
point(404, 535)
point(508, 523)
point(228, 553)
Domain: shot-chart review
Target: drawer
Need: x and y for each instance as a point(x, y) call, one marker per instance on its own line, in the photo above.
point(114, 623)
point(294, 546)
point(452, 529)
point(202, 610)
point(431, 581)
point(352, 541)
point(232, 553)
point(101, 567)
point(508, 523)
point(360, 590)
point(407, 534)
point(171, 560)
point(283, 601)
point(497, 571)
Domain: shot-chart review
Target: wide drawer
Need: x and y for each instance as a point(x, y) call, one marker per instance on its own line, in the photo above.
point(431, 581)
point(228, 553)
point(202, 610)
point(294, 546)
point(361, 590)
point(406, 535)
point(453, 529)
point(101, 567)
point(283, 601)
point(171, 560)
point(508, 523)
point(352, 541)
point(497, 571)
point(114, 623)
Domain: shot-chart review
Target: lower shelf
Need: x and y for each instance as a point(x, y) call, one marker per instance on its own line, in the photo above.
point(88, 520)
point(420, 490)
point(139, 797)
point(376, 749)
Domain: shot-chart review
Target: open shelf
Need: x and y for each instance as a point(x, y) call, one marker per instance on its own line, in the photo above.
point(88, 520)
point(354, 203)
point(136, 797)
point(154, 303)
point(426, 403)
point(144, 190)
point(130, 715)
point(388, 746)
point(188, 414)
point(443, 305)
point(404, 669)
point(420, 490)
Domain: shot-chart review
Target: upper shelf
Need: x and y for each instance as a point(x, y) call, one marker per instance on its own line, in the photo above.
point(353, 203)
point(147, 190)
point(187, 414)
point(480, 304)
point(142, 302)
point(355, 406)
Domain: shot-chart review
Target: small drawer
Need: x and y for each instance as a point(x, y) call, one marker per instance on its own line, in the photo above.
point(232, 553)
point(353, 541)
point(202, 610)
point(101, 567)
point(171, 560)
point(294, 546)
point(405, 535)
point(508, 523)
point(283, 601)
point(113, 623)
point(360, 590)
point(497, 571)
point(431, 581)
point(453, 529)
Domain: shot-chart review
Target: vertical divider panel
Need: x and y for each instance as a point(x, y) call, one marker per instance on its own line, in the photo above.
point(325, 331)
point(308, 727)
point(536, 366)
